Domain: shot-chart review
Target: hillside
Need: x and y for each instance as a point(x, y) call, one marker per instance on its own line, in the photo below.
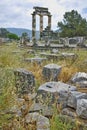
point(19, 31)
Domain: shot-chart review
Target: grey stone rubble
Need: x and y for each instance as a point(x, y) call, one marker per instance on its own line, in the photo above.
point(49, 92)
point(56, 45)
point(51, 56)
point(42, 123)
point(58, 56)
point(38, 60)
point(24, 81)
point(79, 76)
point(82, 108)
point(63, 42)
point(76, 40)
point(31, 52)
point(56, 87)
point(55, 51)
point(79, 79)
point(74, 97)
point(68, 54)
point(36, 107)
point(72, 46)
point(62, 99)
point(69, 112)
point(59, 93)
point(51, 72)
point(49, 95)
point(41, 108)
point(82, 84)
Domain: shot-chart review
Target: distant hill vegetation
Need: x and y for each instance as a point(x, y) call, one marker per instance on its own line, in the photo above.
point(19, 31)
point(3, 33)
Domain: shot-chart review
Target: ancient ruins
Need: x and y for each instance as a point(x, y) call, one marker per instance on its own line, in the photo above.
point(41, 12)
point(42, 93)
point(49, 36)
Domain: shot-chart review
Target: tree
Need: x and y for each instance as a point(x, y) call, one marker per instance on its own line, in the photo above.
point(13, 36)
point(73, 25)
point(24, 34)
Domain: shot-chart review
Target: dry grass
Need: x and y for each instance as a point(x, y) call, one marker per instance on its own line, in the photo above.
point(67, 73)
point(9, 60)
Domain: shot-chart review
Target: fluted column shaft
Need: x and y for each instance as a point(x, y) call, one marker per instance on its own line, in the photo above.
point(49, 21)
point(41, 24)
point(33, 25)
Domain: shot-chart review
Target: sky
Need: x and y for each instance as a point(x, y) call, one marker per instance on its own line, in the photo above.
point(17, 13)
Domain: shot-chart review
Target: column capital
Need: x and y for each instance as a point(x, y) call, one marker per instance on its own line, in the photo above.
point(49, 15)
point(34, 13)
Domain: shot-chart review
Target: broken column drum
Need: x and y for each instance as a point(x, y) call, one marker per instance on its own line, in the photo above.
point(24, 81)
point(51, 72)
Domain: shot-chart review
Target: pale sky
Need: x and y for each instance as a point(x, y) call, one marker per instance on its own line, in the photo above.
point(17, 13)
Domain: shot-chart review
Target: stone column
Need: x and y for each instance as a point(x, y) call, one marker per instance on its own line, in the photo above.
point(49, 21)
point(41, 24)
point(33, 26)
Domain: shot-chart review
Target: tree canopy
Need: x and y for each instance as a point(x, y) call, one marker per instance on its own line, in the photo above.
point(25, 36)
point(13, 36)
point(72, 25)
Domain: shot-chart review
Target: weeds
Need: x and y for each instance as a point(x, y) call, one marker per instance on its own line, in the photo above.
point(9, 60)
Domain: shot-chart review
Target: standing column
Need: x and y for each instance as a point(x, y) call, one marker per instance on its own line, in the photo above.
point(49, 21)
point(33, 27)
point(41, 25)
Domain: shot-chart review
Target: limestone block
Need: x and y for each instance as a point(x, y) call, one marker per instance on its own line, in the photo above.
point(31, 117)
point(79, 76)
point(38, 60)
point(51, 72)
point(74, 97)
point(69, 112)
point(82, 108)
point(55, 51)
point(62, 99)
point(42, 123)
point(69, 55)
point(24, 81)
point(80, 79)
point(50, 92)
point(45, 110)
